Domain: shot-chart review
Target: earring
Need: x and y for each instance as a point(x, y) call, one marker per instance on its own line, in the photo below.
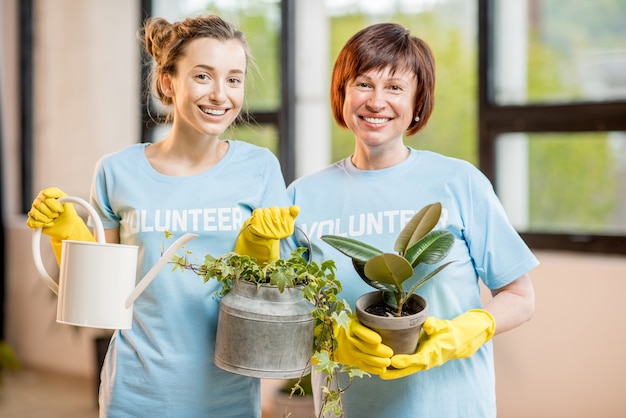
point(417, 119)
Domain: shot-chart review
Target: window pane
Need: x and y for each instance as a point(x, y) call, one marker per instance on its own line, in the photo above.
point(564, 183)
point(552, 51)
point(262, 135)
point(449, 27)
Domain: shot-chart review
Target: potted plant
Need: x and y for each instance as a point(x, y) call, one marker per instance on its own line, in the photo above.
point(8, 359)
point(393, 310)
point(263, 342)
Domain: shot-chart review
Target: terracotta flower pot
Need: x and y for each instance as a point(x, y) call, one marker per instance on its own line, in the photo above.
point(399, 333)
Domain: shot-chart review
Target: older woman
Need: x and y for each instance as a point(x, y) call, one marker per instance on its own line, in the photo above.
point(383, 87)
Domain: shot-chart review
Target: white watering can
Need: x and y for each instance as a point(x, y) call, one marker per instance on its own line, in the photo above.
point(96, 285)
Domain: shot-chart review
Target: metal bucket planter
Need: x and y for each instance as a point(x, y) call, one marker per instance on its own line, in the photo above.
point(264, 333)
point(399, 333)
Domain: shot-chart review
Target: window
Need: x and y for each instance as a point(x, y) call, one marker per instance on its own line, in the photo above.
point(552, 119)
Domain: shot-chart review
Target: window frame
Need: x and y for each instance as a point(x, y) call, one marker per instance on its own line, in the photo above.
point(26, 97)
point(494, 120)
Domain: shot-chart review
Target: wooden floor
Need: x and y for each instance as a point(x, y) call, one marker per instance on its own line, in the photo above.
point(38, 394)
point(28, 393)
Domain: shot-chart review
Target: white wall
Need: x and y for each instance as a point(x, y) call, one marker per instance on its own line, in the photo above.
point(313, 115)
point(86, 104)
point(86, 87)
point(568, 361)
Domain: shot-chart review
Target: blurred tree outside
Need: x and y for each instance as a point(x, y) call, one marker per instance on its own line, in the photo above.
point(572, 183)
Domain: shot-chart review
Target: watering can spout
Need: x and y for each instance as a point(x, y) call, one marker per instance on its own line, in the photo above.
point(151, 274)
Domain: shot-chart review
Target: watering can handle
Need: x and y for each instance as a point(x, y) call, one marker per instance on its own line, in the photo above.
point(36, 242)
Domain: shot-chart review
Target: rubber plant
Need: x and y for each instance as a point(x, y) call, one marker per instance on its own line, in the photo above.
point(417, 244)
point(319, 286)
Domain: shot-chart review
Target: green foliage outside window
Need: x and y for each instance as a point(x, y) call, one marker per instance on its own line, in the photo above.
point(262, 135)
point(573, 178)
point(573, 183)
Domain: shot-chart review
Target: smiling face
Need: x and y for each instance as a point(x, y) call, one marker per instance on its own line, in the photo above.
point(208, 88)
point(379, 106)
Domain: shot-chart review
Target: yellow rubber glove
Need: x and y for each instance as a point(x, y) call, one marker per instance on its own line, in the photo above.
point(58, 220)
point(361, 347)
point(261, 233)
point(444, 340)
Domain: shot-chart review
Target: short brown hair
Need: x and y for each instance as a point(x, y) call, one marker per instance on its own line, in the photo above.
point(381, 46)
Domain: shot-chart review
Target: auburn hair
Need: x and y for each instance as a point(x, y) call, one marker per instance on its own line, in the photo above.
point(382, 46)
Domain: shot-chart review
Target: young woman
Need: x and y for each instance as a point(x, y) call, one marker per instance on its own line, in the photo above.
point(383, 87)
point(191, 181)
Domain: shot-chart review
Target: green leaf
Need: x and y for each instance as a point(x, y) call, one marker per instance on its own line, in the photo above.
point(360, 269)
point(354, 371)
point(354, 249)
point(323, 363)
point(332, 403)
point(391, 299)
point(420, 224)
point(179, 262)
point(342, 319)
point(389, 268)
point(431, 249)
point(424, 279)
point(281, 279)
point(297, 389)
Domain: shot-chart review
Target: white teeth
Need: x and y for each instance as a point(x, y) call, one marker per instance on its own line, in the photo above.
point(214, 112)
point(376, 120)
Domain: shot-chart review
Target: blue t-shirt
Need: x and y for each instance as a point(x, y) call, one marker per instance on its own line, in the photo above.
point(373, 206)
point(163, 366)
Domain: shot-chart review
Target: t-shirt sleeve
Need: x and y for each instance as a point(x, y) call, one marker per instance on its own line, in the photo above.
point(499, 253)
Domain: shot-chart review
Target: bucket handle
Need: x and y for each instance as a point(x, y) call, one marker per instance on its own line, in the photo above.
point(36, 241)
point(308, 242)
